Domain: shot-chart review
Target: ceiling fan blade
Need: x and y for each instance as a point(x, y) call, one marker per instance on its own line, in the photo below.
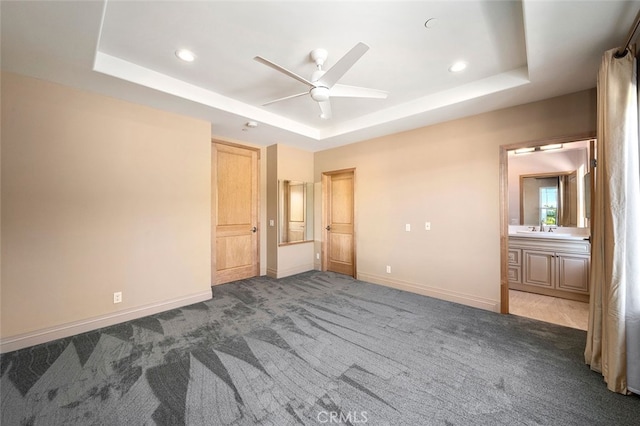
point(285, 98)
point(334, 73)
point(325, 109)
point(344, 91)
point(283, 70)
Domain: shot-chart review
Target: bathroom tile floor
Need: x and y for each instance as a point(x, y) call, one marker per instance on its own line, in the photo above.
point(569, 313)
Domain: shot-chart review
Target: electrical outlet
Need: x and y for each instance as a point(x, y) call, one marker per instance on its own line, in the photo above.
point(407, 227)
point(272, 222)
point(318, 256)
point(427, 226)
point(388, 269)
point(117, 297)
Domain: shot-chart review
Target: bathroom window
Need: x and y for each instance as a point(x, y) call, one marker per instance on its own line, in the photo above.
point(549, 205)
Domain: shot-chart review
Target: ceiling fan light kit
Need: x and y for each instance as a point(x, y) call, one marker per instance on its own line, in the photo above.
point(185, 55)
point(323, 84)
point(320, 94)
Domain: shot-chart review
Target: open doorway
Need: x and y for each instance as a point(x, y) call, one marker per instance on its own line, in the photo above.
point(545, 252)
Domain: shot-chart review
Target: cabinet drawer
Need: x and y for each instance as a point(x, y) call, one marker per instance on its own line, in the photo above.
point(515, 256)
point(514, 274)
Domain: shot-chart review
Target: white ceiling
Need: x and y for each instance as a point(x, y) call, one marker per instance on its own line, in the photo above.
point(517, 52)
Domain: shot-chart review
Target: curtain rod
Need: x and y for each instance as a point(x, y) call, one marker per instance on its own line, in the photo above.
point(623, 50)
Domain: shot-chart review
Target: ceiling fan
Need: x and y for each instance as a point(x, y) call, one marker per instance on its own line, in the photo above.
point(323, 84)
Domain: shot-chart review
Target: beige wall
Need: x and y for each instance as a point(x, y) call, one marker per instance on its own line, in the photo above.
point(272, 211)
point(294, 164)
point(446, 174)
point(98, 196)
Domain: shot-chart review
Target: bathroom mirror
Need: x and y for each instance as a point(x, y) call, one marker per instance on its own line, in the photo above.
point(550, 198)
point(295, 211)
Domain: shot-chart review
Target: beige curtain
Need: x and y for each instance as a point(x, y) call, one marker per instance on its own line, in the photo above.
point(613, 336)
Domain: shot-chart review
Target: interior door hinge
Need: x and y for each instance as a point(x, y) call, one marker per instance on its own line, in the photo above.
point(594, 162)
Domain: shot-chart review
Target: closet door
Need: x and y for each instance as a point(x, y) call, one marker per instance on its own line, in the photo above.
point(234, 182)
point(339, 222)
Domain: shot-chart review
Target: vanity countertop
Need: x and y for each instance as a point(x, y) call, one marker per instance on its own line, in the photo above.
point(548, 235)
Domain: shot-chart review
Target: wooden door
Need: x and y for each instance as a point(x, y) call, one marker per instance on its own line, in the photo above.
point(339, 253)
point(234, 182)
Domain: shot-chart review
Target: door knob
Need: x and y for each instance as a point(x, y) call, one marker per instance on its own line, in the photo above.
point(254, 229)
point(328, 228)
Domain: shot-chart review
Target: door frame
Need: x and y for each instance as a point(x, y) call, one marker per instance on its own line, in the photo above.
point(214, 206)
point(504, 204)
point(325, 217)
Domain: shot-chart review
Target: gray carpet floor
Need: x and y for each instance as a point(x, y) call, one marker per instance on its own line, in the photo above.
point(316, 348)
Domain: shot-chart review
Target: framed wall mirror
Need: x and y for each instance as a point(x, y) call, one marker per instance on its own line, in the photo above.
point(550, 186)
point(549, 199)
point(295, 212)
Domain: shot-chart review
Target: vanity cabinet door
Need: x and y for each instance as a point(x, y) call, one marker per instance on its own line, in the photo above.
point(573, 272)
point(539, 268)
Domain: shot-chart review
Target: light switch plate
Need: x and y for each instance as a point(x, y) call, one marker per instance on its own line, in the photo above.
point(407, 227)
point(427, 226)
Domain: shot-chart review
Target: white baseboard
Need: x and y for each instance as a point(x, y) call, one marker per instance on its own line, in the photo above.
point(281, 273)
point(272, 273)
point(437, 293)
point(69, 329)
point(65, 330)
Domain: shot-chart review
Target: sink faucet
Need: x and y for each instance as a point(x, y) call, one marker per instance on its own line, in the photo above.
point(541, 226)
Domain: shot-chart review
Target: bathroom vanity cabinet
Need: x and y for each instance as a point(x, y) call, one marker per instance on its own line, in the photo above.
point(551, 266)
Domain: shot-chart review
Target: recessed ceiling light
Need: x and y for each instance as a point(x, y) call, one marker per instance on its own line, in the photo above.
point(185, 55)
point(430, 23)
point(458, 66)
